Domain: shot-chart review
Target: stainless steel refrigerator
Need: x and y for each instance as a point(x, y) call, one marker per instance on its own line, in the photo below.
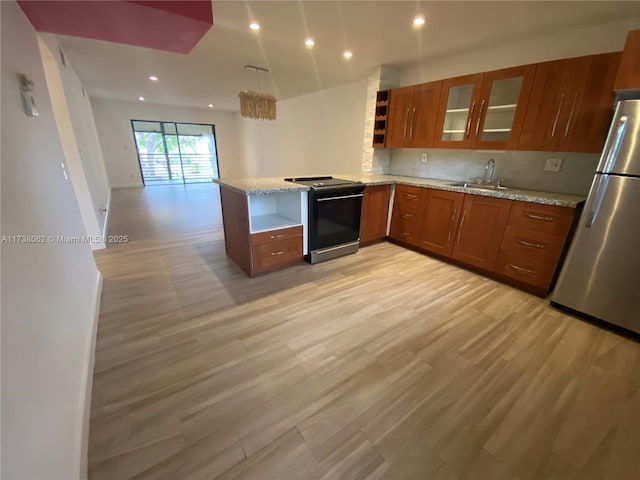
point(601, 274)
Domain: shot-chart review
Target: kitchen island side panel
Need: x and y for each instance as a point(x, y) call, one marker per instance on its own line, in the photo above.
point(235, 218)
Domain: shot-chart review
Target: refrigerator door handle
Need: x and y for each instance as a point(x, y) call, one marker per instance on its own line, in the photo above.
point(613, 146)
point(598, 197)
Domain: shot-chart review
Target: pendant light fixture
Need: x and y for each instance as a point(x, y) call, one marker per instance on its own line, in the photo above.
point(257, 105)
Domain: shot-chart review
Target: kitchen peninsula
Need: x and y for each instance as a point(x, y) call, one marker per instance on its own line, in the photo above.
point(514, 235)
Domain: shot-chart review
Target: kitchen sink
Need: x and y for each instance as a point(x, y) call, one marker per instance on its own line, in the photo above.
point(481, 186)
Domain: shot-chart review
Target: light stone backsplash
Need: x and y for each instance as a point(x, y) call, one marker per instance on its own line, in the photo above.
point(518, 169)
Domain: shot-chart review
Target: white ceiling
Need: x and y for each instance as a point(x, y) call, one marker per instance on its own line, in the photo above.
point(378, 33)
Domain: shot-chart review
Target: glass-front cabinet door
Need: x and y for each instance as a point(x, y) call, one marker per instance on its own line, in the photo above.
point(501, 109)
point(484, 110)
point(458, 103)
point(502, 106)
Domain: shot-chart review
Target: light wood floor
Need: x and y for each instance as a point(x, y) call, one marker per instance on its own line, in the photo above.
point(385, 364)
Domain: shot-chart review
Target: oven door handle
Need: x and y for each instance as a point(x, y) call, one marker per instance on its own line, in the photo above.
point(340, 197)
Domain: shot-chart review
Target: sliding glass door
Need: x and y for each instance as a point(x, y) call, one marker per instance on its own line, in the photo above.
point(172, 152)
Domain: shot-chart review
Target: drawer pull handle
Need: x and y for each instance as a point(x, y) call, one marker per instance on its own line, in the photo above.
point(555, 120)
point(470, 119)
point(573, 107)
point(410, 195)
point(405, 234)
point(523, 270)
point(406, 121)
point(479, 118)
point(274, 254)
point(277, 236)
point(407, 215)
point(539, 217)
point(341, 197)
point(464, 214)
point(531, 244)
point(453, 217)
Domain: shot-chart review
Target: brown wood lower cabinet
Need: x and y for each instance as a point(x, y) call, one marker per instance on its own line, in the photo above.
point(480, 230)
point(275, 249)
point(525, 269)
point(406, 218)
point(441, 215)
point(517, 242)
point(467, 228)
point(375, 210)
point(533, 242)
point(258, 252)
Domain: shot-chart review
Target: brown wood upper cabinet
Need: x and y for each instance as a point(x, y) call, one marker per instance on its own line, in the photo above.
point(571, 104)
point(628, 76)
point(485, 110)
point(412, 115)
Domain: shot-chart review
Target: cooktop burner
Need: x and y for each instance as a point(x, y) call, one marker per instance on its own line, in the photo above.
point(321, 182)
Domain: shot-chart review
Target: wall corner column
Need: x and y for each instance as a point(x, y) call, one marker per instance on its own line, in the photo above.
point(376, 160)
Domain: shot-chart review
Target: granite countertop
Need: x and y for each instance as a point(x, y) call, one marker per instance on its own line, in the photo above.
point(535, 196)
point(267, 185)
point(260, 185)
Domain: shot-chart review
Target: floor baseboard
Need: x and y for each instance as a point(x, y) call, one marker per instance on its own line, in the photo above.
point(127, 185)
point(105, 226)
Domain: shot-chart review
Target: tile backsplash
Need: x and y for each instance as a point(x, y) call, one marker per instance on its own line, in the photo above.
point(518, 169)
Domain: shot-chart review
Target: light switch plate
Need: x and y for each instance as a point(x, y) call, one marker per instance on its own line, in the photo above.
point(424, 157)
point(552, 165)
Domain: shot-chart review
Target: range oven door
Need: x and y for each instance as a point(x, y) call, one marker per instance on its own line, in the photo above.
point(334, 216)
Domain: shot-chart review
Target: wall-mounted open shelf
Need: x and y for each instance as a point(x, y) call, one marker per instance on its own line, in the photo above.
point(380, 119)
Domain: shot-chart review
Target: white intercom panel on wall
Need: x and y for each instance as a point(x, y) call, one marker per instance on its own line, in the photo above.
point(28, 102)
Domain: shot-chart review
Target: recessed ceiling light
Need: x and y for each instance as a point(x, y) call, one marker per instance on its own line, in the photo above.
point(309, 42)
point(153, 78)
point(347, 54)
point(254, 26)
point(211, 105)
point(418, 21)
point(141, 99)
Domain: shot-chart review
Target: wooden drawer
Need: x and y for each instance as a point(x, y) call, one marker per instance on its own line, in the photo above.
point(406, 236)
point(525, 269)
point(541, 218)
point(406, 224)
point(276, 254)
point(407, 196)
point(529, 243)
point(407, 216)
point(276, 235)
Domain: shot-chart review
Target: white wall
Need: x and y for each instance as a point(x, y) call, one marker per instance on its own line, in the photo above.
point(609, 37)
point(318, 133)
point(113, 122)
point(49, 290)
point(77, 131)
point(84, 127)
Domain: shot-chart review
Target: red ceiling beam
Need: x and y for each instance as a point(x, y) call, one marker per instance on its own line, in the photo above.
point(174, 26)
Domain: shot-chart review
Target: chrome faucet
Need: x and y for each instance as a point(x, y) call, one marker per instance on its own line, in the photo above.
point(488, 171)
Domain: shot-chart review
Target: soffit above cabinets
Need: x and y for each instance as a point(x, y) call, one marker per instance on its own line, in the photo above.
point(173, 26)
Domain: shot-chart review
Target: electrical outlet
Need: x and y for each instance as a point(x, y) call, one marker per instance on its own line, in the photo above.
point(424, 157)
point(552, 165)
